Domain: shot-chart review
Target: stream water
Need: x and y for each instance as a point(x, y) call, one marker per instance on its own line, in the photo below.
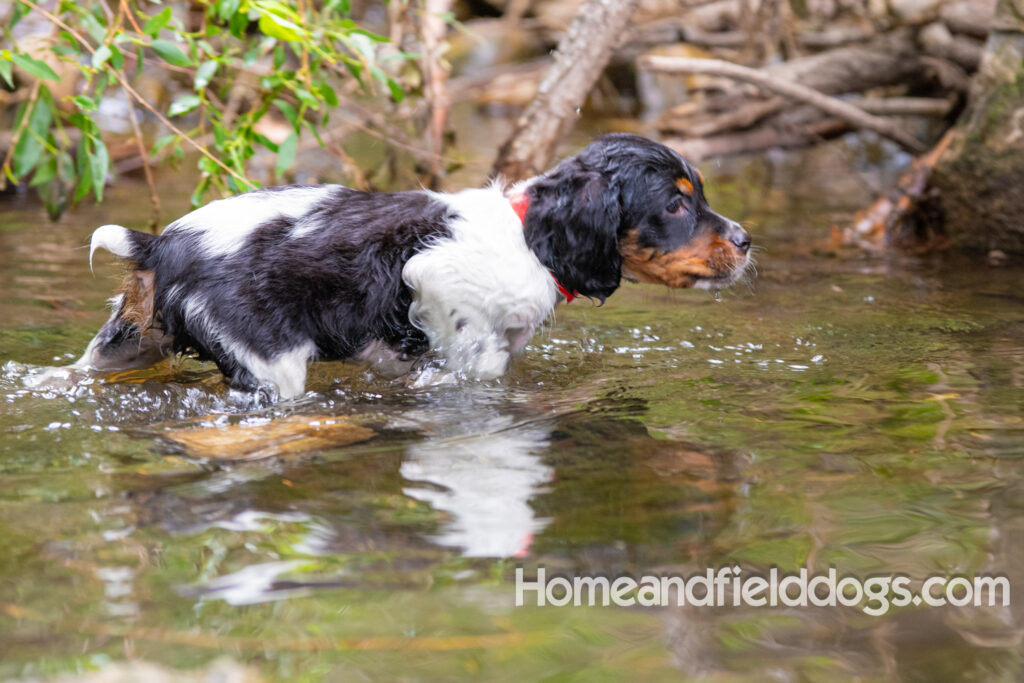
point(856, 412)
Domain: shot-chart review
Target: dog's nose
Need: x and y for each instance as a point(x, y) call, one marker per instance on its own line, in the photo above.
point(739, 237)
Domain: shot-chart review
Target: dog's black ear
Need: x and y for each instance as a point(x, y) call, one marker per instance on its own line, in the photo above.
point(572, 226)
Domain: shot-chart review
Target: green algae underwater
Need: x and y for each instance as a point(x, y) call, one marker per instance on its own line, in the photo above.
point(853, 411)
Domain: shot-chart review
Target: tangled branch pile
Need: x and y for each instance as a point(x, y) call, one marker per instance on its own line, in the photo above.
point(908, 61)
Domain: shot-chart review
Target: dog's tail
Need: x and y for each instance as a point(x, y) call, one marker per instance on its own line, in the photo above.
point(123, 243)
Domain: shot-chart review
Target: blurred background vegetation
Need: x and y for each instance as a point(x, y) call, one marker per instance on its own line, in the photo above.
point(257, 92)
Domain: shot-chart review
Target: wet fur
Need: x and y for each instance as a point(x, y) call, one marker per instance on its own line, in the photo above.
point(265, 282)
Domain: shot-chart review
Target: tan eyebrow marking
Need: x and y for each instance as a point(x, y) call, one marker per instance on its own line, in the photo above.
point(685, 186)
point(700, 175)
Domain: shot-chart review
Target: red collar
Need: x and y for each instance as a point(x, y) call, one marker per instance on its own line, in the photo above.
point(520, 203)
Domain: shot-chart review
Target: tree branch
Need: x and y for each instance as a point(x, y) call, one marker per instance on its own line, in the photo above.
point(154, 198)
point(581, 57)
point(795, 91)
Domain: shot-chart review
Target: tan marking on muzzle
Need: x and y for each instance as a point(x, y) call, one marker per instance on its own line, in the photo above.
point(705, 257)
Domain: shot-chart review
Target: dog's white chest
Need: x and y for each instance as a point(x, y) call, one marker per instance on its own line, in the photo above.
point(481, 294)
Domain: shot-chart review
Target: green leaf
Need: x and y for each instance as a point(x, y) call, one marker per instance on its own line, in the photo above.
point(265, 141)
point(5, 73)
point(29, 148)
point(99, 164)
point(227, 8)
point(239, 22)
point(327, 93)
point(184, 105)
point(101, 55)
point(155, 23)
point(85, 103)
point(92, 25)
point(316, 134)
point(286, 154)
point(65, 167)
point(205, 73)
point(27, 153)
point(36, 67)
point(339, 6)
point(116, 57)
point(289, 112)
point(84, 170)
point(63, 50)
point(20, 10)
point(46, 172)
point(170, 53)
point(207, 166)
point(197, 194)
point(276, 26)
point(161, 143)
point(306, 98)
point(42, 114)
point(375, 37)
point(397, 94)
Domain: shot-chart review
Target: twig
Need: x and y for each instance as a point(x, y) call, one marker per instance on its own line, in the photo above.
point(829, 105)
point(131, 17)
point(904, 106)
point(435, 89)
point(154, 198)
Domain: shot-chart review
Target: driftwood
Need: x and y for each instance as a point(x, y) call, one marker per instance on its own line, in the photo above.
point(758, 139)
point(872, 228)
point(790, 89)
point(937, 40)
point(802, 126)
point(679, 30)
point(579, 60)
point(889, 60)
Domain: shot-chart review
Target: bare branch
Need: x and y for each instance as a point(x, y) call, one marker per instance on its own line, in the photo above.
point(154, 198)
point(830, 105)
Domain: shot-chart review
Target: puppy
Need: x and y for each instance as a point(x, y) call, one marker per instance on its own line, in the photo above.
point(264, 282)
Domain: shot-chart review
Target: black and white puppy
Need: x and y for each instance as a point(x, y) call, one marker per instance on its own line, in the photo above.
point(264, 282)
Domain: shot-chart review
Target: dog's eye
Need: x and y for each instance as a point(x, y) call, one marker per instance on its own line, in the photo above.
point(676, 206)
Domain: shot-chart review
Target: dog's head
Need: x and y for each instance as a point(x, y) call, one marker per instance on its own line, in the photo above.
point(630, 207)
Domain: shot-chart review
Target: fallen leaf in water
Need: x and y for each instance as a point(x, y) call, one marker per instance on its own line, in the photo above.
point(284, 436)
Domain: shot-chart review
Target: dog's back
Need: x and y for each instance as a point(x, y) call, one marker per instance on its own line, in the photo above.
point(263, 282)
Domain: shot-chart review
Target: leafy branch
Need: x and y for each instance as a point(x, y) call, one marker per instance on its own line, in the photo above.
point(242, 60)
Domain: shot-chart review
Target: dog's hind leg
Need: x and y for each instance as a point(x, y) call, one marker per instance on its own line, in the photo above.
point(129, 339)
point(282, 375)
